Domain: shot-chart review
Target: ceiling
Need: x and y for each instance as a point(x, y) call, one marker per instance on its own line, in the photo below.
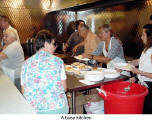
point(55, 5)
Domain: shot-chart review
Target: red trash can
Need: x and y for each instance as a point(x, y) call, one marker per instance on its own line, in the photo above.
point(118, 101)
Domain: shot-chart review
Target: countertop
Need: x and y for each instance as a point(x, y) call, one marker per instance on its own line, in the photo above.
point(11, 100)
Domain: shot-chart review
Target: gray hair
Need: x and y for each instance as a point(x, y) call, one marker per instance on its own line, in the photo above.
point(12, 33)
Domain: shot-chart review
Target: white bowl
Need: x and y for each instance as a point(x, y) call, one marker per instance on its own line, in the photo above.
point(94, 75)
point(110, 73)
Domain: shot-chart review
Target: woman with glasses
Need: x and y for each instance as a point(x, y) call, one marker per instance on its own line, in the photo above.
point(43, 78)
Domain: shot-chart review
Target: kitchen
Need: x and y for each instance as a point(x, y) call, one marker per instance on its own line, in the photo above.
point(126, 17)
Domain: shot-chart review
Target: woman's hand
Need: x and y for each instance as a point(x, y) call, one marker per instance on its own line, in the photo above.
point(86, 56)
point(134, 62)
point(132, 80)
point(131, 62)
point(118, 70)
point(5, 46)
point(135, 70)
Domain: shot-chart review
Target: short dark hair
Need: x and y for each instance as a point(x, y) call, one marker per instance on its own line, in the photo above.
point(42, 37)
point(150, 17)
point(148, 31)
point(6, 19)
point(78, 23)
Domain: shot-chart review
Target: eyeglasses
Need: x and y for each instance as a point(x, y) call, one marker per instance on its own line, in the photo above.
point(55, 44)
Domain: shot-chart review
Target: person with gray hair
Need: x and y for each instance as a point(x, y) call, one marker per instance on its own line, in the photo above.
point(110, 48)
point(91, 40)
point(6, 25)
point(12, 56)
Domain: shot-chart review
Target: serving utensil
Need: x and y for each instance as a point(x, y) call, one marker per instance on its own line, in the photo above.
point(128, 87)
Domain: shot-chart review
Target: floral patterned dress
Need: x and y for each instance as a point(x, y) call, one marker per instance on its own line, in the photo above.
point(41, 78)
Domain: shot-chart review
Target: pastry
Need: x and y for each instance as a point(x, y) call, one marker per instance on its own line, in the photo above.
point(75, 64)
point(80, 57)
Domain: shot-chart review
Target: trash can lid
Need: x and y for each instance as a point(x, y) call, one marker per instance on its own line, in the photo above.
point(118, 89)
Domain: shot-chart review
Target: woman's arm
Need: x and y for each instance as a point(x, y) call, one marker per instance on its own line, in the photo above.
point(101, 59)
point(146, 74)
point(64, 84)
point(63, 78)
point(22, 89)
point(137, 71)
point(3, 56)
point(23, 76)
point(96, 55)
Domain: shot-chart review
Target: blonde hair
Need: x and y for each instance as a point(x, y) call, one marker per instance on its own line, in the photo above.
point(106, 28)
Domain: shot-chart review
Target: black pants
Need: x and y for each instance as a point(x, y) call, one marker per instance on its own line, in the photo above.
point(148, 100)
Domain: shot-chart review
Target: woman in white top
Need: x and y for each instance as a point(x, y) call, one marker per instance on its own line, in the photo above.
point(12, 57)
point(144, 72)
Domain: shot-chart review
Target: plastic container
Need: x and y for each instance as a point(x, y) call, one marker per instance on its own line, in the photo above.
point(118, 101)
point(95, 107)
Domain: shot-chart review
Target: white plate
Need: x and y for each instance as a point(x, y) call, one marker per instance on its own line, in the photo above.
point(110, 73)
point(124, 66)
point(94, 76)
point(83, 72)
point(87, 68)
point(83, 59)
